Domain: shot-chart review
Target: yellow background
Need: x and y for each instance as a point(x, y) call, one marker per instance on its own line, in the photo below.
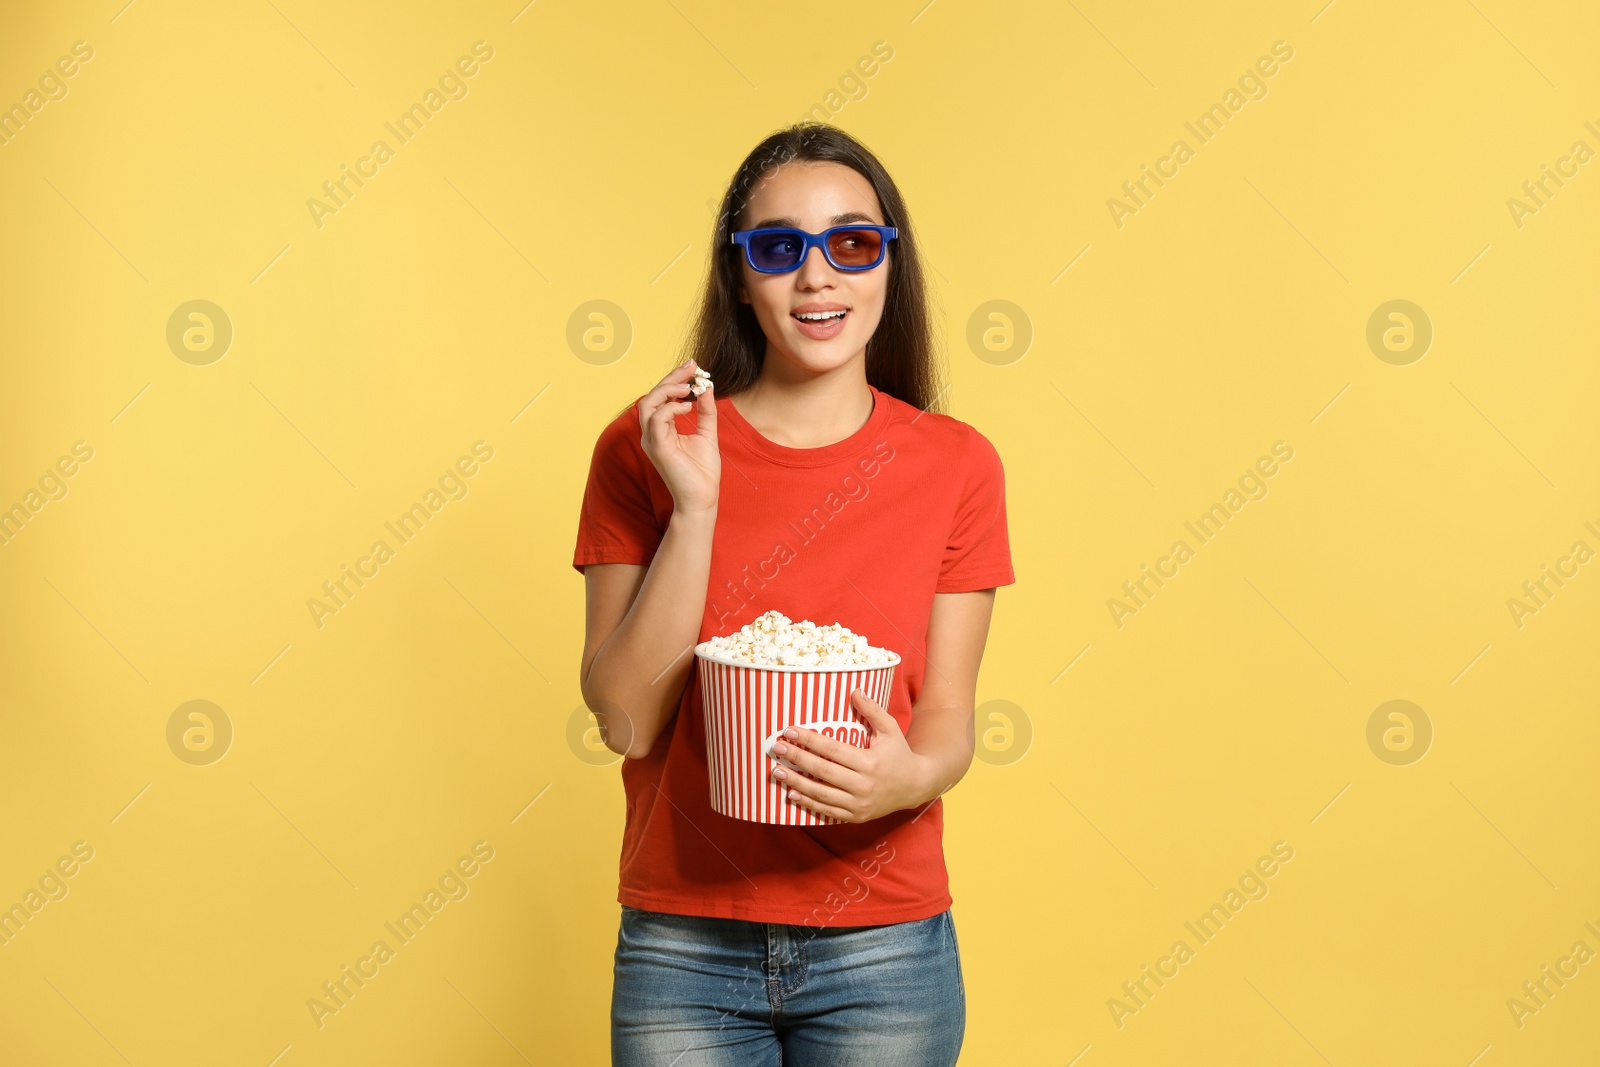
point(368, 354)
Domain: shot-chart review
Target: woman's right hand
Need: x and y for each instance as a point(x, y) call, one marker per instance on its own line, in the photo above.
point(690, 464)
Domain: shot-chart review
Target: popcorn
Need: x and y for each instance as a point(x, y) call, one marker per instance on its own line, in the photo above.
point(773, 640)
point(701, 382)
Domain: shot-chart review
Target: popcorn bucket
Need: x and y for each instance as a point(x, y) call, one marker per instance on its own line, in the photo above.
point(747, 708)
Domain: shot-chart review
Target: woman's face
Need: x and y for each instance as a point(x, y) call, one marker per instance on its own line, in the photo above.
point(813, 197)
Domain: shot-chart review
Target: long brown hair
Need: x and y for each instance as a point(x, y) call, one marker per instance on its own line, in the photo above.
point(726, 339)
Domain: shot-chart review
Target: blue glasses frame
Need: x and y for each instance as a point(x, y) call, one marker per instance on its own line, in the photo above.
point(813, 240)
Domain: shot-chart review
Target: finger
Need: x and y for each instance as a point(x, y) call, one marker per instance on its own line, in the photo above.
point(874, 714)
point(674, 384)
point(681, 373)
point(834, 772)
point(674, 391)
point(817, 798)
point(663, 393)
point(663, 426)
point(809, 741)
point(821, 792)
point(649, 404)
point(706, 412)
point(651, 423)
point(829, 810)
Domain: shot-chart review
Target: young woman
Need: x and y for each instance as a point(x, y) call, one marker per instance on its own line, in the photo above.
point(814, 478)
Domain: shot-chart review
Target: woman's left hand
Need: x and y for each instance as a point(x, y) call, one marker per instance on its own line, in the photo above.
point(855, 784)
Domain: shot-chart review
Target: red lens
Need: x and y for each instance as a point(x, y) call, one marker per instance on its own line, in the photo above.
point(855, 248)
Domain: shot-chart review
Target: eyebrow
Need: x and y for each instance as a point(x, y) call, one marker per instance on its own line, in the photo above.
point(838, 220)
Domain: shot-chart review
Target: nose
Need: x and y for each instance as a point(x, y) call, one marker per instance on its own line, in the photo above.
point(815, 270)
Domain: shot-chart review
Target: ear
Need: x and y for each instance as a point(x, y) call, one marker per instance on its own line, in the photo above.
point(744, 294)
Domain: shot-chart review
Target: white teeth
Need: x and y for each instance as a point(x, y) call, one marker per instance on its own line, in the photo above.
point(819, 316)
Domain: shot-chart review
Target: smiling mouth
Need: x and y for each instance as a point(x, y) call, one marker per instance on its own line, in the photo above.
point(821, 318)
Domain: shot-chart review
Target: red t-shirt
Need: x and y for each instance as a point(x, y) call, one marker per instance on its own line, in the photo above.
point(862, 532)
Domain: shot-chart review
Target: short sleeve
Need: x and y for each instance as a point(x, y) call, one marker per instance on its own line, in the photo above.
point(618, 523)
point(978, 552)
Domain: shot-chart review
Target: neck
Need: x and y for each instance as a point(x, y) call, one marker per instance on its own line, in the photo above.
point(797, 408)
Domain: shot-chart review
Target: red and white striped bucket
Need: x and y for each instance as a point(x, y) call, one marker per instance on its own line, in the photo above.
point(746, 708)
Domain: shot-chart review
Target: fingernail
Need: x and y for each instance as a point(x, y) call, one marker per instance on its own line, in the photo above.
point(791, 733)
point(780, 748)
point(780, 773)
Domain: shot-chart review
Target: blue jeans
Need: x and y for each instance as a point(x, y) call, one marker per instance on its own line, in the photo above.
point(692, 991)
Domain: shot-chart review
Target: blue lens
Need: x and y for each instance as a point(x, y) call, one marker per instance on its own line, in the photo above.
point(776, 251)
